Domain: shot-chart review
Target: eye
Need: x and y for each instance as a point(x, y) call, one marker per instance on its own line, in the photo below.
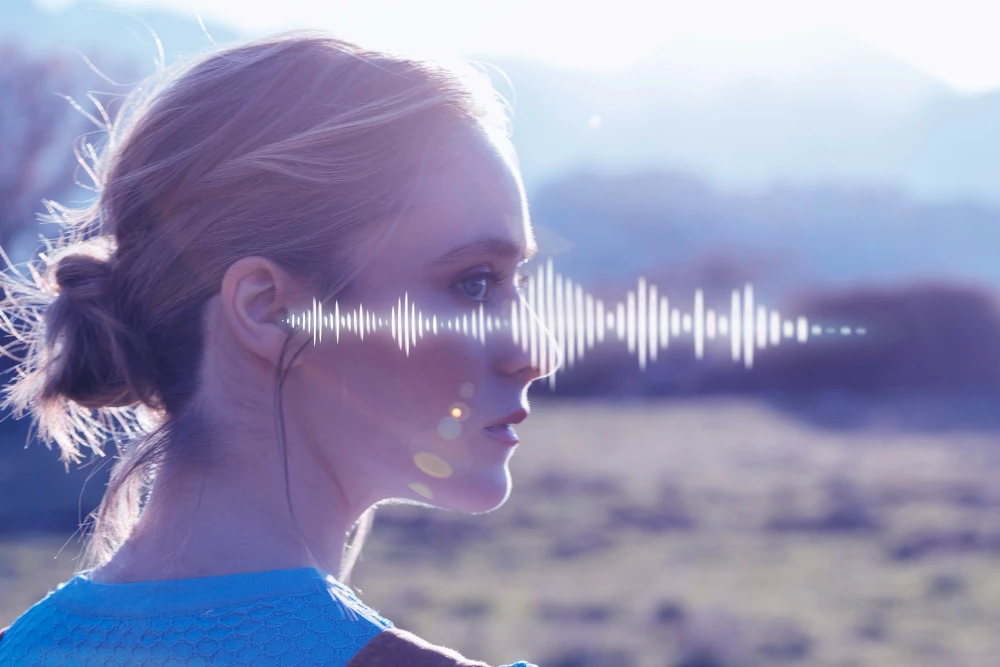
point(479, 287)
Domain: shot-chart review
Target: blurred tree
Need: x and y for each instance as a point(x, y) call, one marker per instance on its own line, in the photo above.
point(41, 117)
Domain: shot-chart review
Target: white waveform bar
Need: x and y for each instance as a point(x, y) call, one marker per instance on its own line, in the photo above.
point(556, 322)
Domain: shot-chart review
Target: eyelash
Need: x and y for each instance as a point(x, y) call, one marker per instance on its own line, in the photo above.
point(495, 280)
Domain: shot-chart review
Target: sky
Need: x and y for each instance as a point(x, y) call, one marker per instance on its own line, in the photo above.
point(955, 41)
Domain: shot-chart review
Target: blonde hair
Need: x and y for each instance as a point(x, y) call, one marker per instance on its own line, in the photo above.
point(287, 147)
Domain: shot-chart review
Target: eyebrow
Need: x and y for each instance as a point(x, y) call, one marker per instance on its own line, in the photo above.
point(493, 245)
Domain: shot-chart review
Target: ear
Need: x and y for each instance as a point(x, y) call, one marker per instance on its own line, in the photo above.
point(257, 296)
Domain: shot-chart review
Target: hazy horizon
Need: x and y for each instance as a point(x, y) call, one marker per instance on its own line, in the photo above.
point(964, 53)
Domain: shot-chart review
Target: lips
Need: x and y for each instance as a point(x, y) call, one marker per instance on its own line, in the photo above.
point(503, 432)
point(515, 417)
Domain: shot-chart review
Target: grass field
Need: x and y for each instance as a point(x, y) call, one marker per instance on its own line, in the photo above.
point(711, 533)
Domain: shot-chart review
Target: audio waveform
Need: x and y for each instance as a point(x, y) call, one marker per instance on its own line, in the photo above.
point(556, 322)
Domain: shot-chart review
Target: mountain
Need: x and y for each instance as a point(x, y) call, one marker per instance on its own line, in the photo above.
point(808, 111)
point(679, 231)
point(95, 29)
point(823, 64)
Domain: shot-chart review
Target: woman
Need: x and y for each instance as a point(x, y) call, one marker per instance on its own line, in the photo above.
point(232, 195)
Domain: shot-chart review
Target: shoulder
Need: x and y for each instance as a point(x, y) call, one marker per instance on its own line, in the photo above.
point(15, 639)
point(393, 646)
point(253, 620)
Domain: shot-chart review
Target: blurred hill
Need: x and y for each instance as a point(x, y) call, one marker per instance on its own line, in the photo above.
point(822, 64)
point(99, 28)
point(674, 227)
point(818, 109)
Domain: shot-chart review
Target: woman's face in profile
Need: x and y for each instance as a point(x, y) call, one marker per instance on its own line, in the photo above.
point(397, 424)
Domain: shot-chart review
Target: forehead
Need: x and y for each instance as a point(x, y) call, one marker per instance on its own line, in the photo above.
point(471, 193)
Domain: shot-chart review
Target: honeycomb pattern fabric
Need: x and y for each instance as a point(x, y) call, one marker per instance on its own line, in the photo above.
point(280, 617)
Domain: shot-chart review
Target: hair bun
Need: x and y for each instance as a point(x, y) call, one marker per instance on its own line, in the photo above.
point(98, 360)
point(85, 278)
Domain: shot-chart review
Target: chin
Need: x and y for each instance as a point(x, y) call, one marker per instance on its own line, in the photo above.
point(477, 493)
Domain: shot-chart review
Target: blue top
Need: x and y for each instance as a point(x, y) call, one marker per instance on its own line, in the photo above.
point(280, 617)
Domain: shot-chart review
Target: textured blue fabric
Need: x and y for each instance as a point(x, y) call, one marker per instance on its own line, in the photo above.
point(281, 617)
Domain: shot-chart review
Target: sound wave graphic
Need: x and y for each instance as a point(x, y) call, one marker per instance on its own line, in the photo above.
point(555, 319)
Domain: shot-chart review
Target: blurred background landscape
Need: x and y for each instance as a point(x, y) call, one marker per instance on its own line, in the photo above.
point(836, 504)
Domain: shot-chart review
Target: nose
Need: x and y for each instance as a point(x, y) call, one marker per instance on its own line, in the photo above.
point(527, 348)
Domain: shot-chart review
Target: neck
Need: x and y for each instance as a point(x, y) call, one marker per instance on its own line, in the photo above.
point(200, 524)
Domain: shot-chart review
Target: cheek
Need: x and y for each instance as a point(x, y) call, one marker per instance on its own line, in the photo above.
point(400, 406)
point(406, 392)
